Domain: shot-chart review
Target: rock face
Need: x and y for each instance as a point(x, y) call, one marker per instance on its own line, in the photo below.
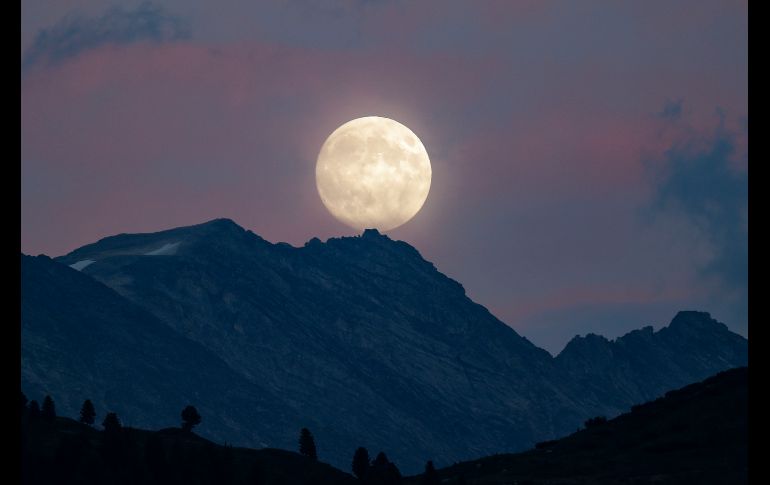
point(358, 338)
point(81, 340)
point(642, 365)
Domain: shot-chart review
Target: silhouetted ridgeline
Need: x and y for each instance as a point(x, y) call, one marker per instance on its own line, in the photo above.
point(354, 338)
point(63, 451)
point(695, 435)
point(60, 450)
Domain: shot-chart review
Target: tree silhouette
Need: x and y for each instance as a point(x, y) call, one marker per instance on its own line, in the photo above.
point(361, 462)
point(381, 460)
point(307, 444)
point(430, 477)
point(383, 472)
point(34, 410)
point(190, 418)
point(87, 412)
point(48, 411)
point(111, 424)
point(392, 475)
point(23, 403)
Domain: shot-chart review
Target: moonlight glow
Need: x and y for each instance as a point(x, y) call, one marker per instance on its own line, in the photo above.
point(373, 172)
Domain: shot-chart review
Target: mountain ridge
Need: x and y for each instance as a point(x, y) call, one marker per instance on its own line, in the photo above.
point(369, 339)
point(692, 435)
point(313, 244)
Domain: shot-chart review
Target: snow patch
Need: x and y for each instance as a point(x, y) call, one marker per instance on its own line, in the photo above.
point(165, 250)
point(82, 264)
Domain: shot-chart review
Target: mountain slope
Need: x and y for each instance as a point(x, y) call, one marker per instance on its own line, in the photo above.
point(361, 332)
point(697, 434)
point(365, 338)
point(644, 364)
point(81, 340)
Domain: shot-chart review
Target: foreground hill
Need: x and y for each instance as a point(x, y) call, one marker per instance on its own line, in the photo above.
point(66, 451)
point(694, 435)
point(358, 338)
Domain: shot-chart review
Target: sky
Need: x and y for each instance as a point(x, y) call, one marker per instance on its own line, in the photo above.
point(589, 159)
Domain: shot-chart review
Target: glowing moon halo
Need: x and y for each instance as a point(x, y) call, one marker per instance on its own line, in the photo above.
point(373, 172)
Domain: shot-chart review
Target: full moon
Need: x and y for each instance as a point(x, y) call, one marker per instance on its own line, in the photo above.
point(373, 172)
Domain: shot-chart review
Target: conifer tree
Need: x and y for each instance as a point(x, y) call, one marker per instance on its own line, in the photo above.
point(361, 462)
point(87, 412)
point(392, 474)
point(307, 444)
point(383, 472)
point(111, 424)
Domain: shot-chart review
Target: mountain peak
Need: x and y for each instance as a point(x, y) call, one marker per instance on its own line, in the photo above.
point(221, 225)
point(314, 242)
point(222, 222)
point(372, 233)
point(590, 338)
point(689, 316)
point(694, 320)
point(590, 344)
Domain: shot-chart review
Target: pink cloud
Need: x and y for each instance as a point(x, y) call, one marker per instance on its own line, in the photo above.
point(561, 152)
point(597, 296)
point(238, 125)
point(241, 124)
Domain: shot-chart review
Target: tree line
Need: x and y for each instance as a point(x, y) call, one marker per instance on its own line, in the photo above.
point(377, 471)
point(47, 413)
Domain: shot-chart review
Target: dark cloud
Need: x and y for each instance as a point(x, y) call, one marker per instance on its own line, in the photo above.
point(76, 33)
point(672, 110)
point(706, 185)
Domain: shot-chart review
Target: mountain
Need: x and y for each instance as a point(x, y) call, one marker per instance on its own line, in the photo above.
point(358, 338)
point(614, 373)
point(81, 340)
point(694, 435)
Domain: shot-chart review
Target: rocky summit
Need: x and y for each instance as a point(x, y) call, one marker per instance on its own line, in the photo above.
point(359, 339)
